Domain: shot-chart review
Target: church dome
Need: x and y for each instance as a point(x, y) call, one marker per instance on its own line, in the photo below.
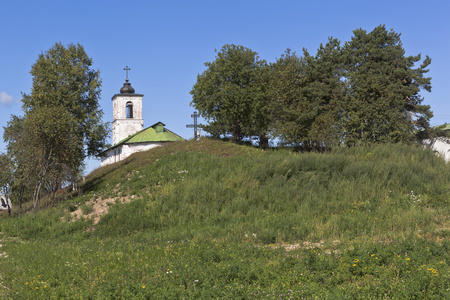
point(127, 88)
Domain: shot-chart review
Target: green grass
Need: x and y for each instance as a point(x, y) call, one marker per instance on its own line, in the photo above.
point(211, 219)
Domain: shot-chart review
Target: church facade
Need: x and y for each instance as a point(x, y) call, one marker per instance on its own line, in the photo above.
point(128, 132)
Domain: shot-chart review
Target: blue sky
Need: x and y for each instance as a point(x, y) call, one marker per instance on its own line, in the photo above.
point(166, 43)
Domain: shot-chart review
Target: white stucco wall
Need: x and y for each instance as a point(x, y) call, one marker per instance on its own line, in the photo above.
point(123, 151)
point(120, 103)
point(123, 127)
point(441, 146)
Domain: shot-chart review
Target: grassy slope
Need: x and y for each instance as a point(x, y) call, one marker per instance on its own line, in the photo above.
point(211, 220)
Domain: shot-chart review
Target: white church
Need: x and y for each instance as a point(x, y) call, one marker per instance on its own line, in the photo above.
point(128, 133)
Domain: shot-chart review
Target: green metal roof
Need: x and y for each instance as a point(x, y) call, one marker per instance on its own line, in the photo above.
point(446, 126)
point(155, 133)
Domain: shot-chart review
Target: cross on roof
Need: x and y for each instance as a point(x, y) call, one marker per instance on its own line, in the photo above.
point(126, 70)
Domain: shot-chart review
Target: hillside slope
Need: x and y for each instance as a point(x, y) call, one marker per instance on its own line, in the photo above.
point(211, 219)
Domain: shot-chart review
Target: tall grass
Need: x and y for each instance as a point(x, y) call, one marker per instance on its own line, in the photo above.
point(210, 219)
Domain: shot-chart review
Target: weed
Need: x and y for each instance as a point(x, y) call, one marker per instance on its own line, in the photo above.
point(87, 209)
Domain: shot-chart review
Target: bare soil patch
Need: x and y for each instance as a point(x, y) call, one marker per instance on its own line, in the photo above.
point(307, 245)
point(100, 207)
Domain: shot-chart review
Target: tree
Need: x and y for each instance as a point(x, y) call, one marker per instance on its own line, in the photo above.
point(20, 156)
point(5, 177)
point(289, 107)
point(230, 93)
point(302, 93)
point(44, 146)
point(52, 136)
point(365, 91)
point(382, 102)
point(62, 76)
point(61, 125)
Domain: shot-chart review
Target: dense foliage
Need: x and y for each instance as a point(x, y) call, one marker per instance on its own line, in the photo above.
point(60, 127)
point(214, 220)
point(382, 101)
point(62, 76)
point(366, 90)
point(230, 94)
point(302, 92)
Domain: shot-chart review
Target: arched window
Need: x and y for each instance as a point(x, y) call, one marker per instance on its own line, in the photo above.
point(129, 110)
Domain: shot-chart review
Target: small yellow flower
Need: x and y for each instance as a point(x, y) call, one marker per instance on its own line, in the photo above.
point(37, 287)
point(143, 286)
point(354, 265)
point(408, 258)
point(372, 255)
point(45, 286)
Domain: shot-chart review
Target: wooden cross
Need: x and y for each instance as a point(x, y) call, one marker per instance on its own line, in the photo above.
point(194, 115)
point(126, 70)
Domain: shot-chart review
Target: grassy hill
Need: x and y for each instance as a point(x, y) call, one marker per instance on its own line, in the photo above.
point(210, 219)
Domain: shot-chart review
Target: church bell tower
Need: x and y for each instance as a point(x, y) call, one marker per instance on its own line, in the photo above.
point(127, 112)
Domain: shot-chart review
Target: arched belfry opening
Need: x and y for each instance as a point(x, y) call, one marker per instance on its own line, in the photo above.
point(129, 110)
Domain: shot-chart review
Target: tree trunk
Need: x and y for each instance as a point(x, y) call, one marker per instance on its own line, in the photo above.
point(236, 134)
point(263, 141)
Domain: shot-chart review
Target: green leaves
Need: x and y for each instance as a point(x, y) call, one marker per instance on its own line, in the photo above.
point(366, 91)
point(62, 122)
point(382, 89)
point(62, 76)
point(229, 93)
point(302, 93)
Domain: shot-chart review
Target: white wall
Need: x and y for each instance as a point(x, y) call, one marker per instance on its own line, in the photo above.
point(123, 151)
point(123, 127)
point(440, 145)
point(4, 202)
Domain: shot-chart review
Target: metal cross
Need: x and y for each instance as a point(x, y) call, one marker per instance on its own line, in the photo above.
point(126, 70)
point(194, 115)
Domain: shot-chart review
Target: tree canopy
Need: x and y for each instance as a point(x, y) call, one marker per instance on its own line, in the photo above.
point(301, 91)
point(61, 125)
point(62, 76)
point(382, 101)
point(230, 93)
point(364, 91)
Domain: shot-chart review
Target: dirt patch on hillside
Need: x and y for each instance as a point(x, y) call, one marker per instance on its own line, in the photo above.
point(307, 245)
point(97, 208)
